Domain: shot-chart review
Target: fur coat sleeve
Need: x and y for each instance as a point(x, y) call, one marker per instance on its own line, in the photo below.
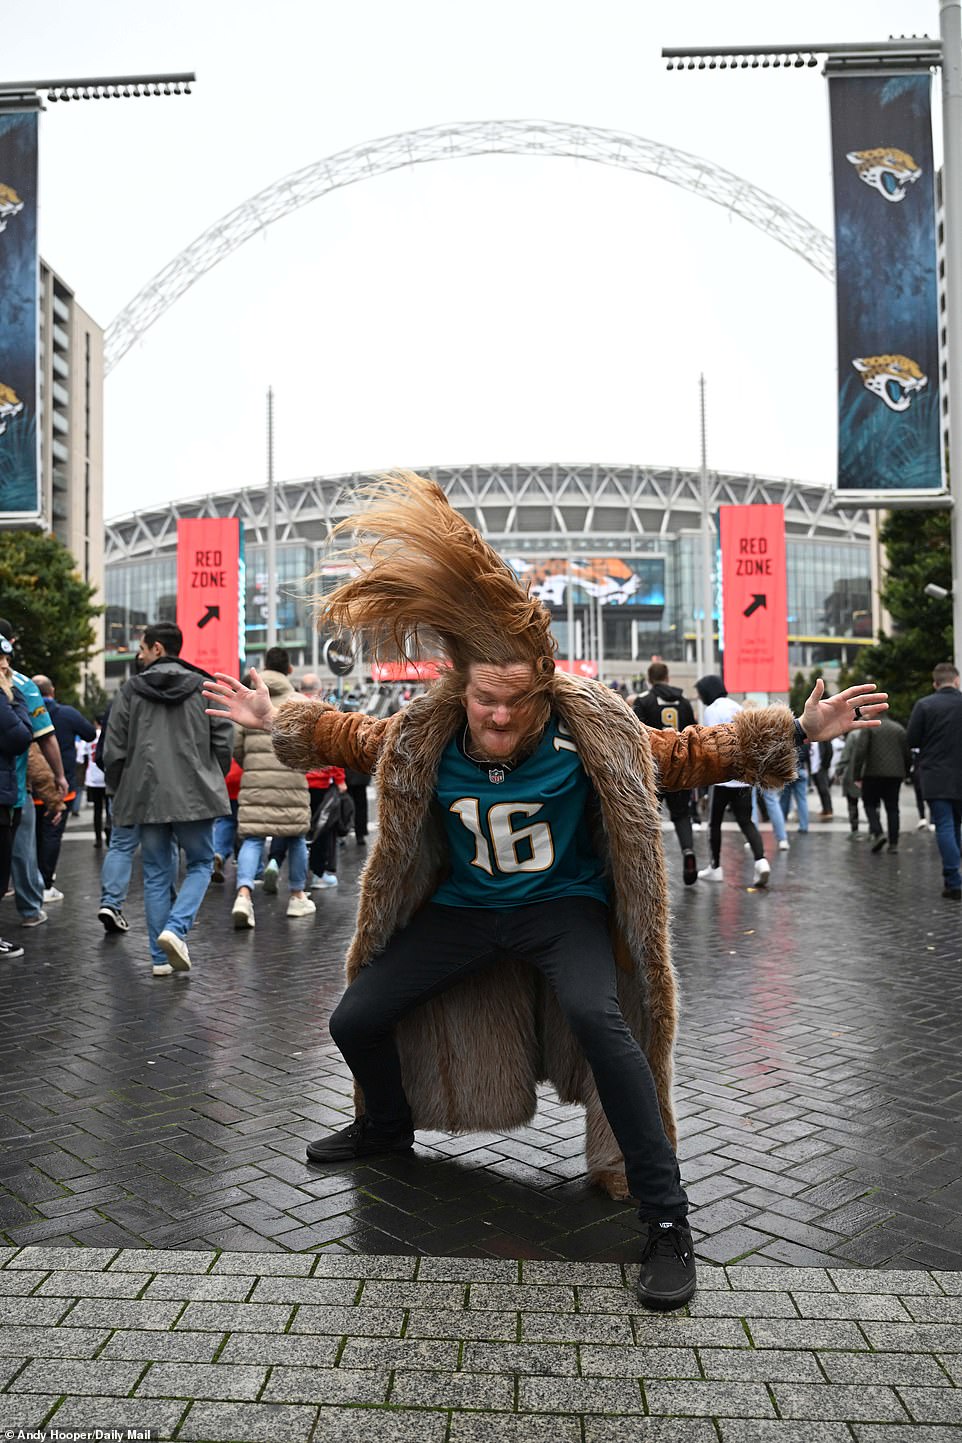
point(756, 747)
point(312, 734)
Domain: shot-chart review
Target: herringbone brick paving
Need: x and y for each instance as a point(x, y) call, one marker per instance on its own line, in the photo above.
point(818, 1084)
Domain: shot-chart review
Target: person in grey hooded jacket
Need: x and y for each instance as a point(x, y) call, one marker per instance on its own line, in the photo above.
point(165, 761)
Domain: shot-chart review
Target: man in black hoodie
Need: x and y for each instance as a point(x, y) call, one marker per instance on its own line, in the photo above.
point(665, 708)
point(165, 761)
point(935, 731)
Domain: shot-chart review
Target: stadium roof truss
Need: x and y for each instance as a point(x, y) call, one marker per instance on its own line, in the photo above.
point(457, 141)
point(551, 504)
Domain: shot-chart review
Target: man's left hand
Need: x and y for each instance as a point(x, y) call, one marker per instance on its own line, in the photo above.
point(855, 708)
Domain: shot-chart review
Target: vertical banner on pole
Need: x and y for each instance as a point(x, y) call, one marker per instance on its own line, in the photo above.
point(755, 598)
point(209, 597)
point(889, 416)
point(19, 323)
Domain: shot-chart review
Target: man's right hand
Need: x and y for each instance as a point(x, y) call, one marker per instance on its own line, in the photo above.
point(247, 706)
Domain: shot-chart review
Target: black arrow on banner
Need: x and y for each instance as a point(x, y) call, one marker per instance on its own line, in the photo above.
point(213, 614)
point(758, 599)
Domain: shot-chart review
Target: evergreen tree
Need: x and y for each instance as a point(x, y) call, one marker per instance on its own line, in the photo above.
point(49, 606)
point(919, 549)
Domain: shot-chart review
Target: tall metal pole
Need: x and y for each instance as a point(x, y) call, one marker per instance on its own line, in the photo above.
point(570, 599)
point(601, 636)
point(950, 27)
point(707, 630)
point(271, 527)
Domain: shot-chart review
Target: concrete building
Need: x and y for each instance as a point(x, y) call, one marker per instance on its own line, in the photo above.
point(626, 537)
point(71, 422)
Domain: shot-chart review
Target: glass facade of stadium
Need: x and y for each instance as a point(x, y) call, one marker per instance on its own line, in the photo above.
point(625, 539)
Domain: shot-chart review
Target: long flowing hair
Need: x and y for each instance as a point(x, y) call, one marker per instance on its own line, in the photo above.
point(428, 582)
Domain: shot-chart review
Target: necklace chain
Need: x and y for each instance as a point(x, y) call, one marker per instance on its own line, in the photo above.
point(479, 761)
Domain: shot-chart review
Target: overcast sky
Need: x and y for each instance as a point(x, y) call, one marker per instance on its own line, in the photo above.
point(477, 310)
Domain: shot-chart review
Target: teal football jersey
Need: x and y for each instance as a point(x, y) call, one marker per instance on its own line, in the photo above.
point(519, 836)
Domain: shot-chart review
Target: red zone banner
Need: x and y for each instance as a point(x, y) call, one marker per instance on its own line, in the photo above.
point(754, 598)
point(208, 591)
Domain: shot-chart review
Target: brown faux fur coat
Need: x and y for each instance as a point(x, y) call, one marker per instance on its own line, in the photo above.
point(471, 1059)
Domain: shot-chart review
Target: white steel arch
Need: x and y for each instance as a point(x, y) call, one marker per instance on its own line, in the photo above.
point(453, 142)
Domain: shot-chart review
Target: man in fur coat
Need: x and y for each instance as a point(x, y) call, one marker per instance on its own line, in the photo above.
point(513, 920)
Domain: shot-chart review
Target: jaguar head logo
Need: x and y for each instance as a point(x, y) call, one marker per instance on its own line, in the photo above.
point(894, 379)
point(10, 406)
point(887, 170)
point(10, 205)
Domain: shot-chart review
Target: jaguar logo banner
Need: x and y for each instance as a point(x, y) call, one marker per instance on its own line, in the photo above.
point(889, 412)
point(19, 298)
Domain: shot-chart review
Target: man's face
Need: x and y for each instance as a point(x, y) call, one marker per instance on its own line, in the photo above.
point(500, 708)
point(146, 654)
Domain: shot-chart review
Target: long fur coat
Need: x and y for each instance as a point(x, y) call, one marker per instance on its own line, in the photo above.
point(471, 1059)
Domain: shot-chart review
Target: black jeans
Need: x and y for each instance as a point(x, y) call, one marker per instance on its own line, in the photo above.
point(101, 801)
point(49, 837)
point(885, 790)
point(679, 809)
point(740, 801)
point(568, 941)
point(9, 822)
point(358, 795)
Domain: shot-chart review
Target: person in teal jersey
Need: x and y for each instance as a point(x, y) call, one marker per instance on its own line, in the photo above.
point(28, 884)
point(513, 920)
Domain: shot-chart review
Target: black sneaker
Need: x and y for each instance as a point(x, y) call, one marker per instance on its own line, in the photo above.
point(878, 842)
point(113, 919)
point(953, 894)
point(9, 950)
point(361, 1139)
point(217, 871)
point(667, 1277)
point(689, 869)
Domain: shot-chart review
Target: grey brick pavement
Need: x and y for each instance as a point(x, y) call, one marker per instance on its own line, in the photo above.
point(805, 1354)
point(173, 1115)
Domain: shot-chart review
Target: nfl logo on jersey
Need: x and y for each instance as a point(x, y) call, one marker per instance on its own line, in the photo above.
point(496, 775)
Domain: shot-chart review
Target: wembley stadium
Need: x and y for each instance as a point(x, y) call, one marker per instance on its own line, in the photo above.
point(624, 538)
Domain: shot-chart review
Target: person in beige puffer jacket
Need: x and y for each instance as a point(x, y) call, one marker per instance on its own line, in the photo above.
point(273, 801)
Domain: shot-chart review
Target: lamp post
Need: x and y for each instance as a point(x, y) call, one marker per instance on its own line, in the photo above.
point(895, 56)
point(271, 527)
point(706, 629)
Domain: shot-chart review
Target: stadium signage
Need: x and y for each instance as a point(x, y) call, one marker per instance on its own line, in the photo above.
point(889, 408)
point(754, 598)
point(209, 600)
point(19, 318)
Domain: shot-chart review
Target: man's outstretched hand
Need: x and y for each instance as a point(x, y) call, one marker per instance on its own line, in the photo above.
point(248, 706)
point(856, 707)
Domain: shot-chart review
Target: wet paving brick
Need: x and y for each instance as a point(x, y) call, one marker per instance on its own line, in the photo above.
point(173, 1113)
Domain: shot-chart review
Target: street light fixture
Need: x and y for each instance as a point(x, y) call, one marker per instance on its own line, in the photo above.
point(30, 94)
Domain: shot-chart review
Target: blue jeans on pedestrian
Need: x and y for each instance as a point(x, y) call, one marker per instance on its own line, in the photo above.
point(225, 833)
point(798, 789)
point(196, 840)
point(947, 816)
point(252, 850)
point(24, 871)
point(118, 864)
point(773, 806)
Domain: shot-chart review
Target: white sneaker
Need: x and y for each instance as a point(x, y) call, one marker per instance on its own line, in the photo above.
point(762, 872)
point(270, 877)
point(176, 950)
point(36, 921)
point(783, 845)
point(52, 894)
point(300, 907)
point(699, 826)
point(242, 913)
point(326, 879)
point(711, 874)
point(162, 969)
